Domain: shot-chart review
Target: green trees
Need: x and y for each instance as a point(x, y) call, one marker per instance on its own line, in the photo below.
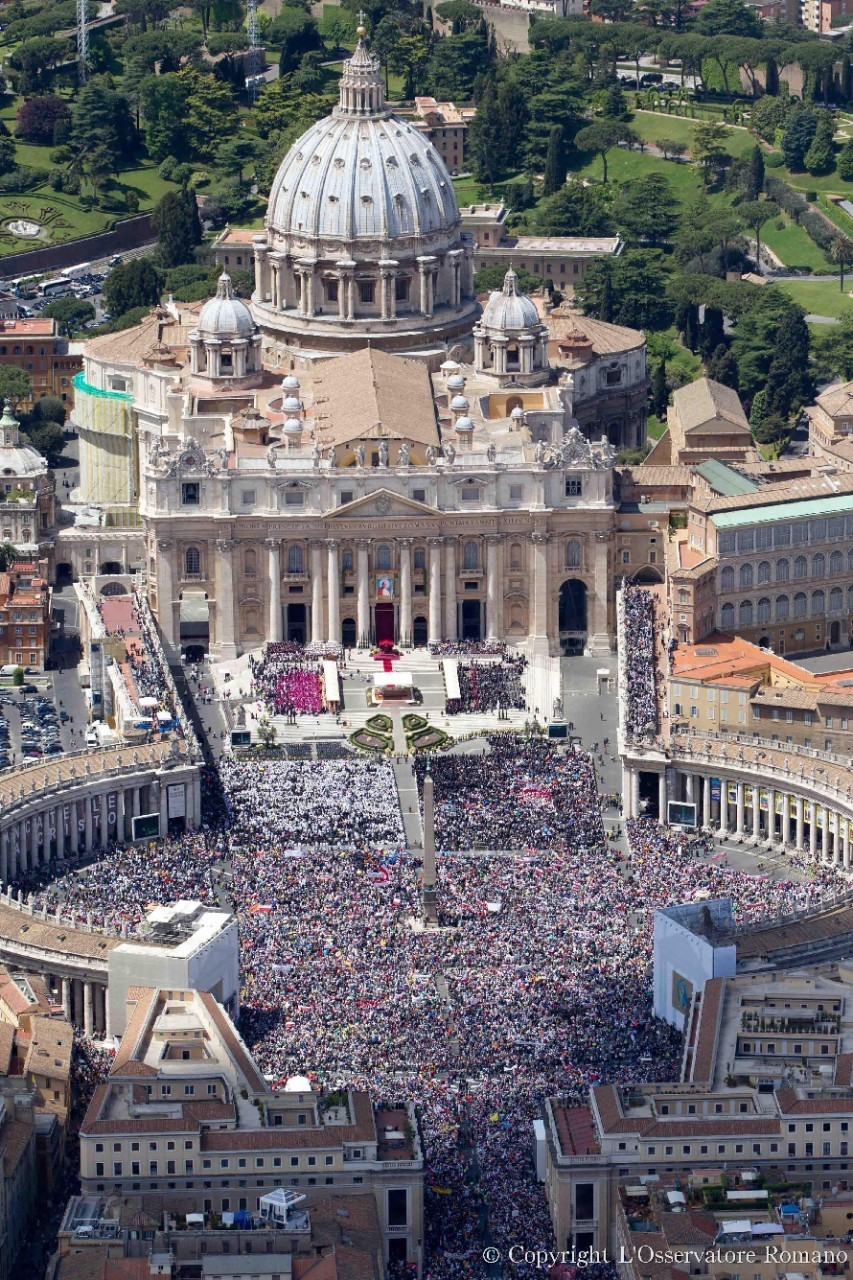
point(840, 254)
point(296, 32)
point(45, 436)
point(753, 174)
point(161, 99)
point(555, 163)
point(70, 314)
point(209, 112)
point(133, 284)
point(101, 122)
point(659, 390)
point(38, 118)
point(646, 210)
point(573, 210)
point(14, 384)
point(820, 157)
point(176, 225)
point(727, 18)
point(797, 138)
point(755, 213)
point(483, 142)
point(630, 289)
point(845, 162)
point(488, 278)
point(602, 136)
point(709, 150)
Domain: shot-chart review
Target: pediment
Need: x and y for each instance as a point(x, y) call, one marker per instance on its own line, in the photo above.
point(382, 503)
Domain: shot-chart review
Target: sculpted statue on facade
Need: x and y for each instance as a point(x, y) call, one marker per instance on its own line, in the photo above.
point(404, 454)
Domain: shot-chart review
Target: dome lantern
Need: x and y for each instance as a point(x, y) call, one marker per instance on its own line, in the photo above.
point(227, 342)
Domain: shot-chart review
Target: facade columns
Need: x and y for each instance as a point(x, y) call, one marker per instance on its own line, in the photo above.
point(4, 859)
point(363, 637)
point(493, 547)
point(334, 628)
point(87, 818)
point(66, 998)
point(388, 287)
point(540, 592)
point(346, 281)
point(275, 627)
point(662, 807)
point(812, 829)
point(635, 792)
point(845, 844)
point(706, 801)
point(689, 791)
point(798, 803)
point(165, 590)
point(225, 598)
point(88, 1020)
point(599, 640)
point(105, 826)
point(723, 830)
point(434, 591)
point(756, 815)
point(316, 593)
point(405, 545)
point(740, 808)
point(786, 819)
point(771, 814)
point(426, 263)
point(450, 625)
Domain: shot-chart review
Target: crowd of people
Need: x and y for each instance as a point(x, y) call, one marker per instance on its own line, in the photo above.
point(539, 987)
point(640, 670)
point(490, 686)
point(466, 648)
point(288, 682)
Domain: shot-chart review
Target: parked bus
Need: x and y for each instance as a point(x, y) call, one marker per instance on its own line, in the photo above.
point(57, 288)
point(24, 286)
point(74, 273)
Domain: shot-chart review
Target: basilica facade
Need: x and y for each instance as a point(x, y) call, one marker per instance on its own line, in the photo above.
point(360, 453)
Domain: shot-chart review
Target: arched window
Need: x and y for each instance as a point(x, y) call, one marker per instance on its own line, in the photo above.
point(800, 604)
point(782, 570)
point(745, 576)
point(727, 579)
point(383, 557)
point(818, 565)
point(782, 605)
point(818, 603)
point(420, 558)
point(836, 562)
point(515, 561)
point(573, 554)
point(745, 613)
point(836, 600)
point(470, 556)
point(295, 559)
point(764, 609)
point(727, 617)
point(763, 572)
point(192, 561)
point(801, 567)
point(250, 562)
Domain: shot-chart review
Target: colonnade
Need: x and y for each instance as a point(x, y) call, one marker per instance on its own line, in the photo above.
point(756, 813)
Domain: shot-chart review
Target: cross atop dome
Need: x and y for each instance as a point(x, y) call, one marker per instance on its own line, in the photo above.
point(361, 90)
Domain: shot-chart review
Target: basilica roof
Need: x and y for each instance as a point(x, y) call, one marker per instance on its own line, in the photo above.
point(357, 394)
point(362, 172)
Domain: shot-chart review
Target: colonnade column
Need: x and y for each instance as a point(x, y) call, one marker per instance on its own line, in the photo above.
point(493, 545)
point(66, 998)
point(786, 820)
point(813, 829)
point(334, 628)
point(756, 814)
point(363, 596)
point(225, 598)
point(740, 808)
point(316, 593)
point(845, 844)
point(706, 800)
point(405, 545)
point(434, 590)
point(635, 792)
point(88, 1021)
point(724, 809)
point(798, 806)
point(450, 625)
point(87, 818)
point(274, 549)
point(662, 806)
point(4, 859)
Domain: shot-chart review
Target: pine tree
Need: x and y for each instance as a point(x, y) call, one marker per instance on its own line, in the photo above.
point(687, 321)
point(555, 163)
point(758, 412)
point(484, 139)
point(788, 381)
point(722, 366)
point(712, 334)
point(660, 391)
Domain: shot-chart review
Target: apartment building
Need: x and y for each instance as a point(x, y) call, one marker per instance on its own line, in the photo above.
point(36, 346)
point(25, 614)
point(765, 1083)
point(186, 1110)
point(446, 126)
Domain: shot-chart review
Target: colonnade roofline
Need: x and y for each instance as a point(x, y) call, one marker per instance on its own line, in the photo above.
point(25, 782)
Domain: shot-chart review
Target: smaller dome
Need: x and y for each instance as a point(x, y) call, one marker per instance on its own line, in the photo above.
point(225, 315)
point(455, 382)
point(293, 427)
point(290, 382)
point(464, 424)
point(517, 413)
point(508, 309)
point(459, 404)
point(449, 366)
point(291, 405)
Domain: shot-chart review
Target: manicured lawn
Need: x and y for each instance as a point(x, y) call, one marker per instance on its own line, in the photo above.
point(653, 126)
point(820, 297)
point(654, 427)
point(793, 245)
point(63, 220)
point(841, 219)
point(469, 191)
point(627, 166)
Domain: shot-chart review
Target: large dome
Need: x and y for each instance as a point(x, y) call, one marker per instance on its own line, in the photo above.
point(359, 178)
point(225, 315)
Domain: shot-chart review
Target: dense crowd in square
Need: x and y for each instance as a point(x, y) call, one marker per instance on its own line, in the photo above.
point(490, 686)
point(640, 673)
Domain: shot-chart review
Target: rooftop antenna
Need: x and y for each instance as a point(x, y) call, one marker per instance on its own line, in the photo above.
point(82, 39)
point(254, 60)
